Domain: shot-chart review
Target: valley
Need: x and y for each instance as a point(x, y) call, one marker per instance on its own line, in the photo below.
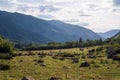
point(36, 49)
point(60, 64)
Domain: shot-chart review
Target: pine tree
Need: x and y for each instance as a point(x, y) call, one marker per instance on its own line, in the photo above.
point(80, 42)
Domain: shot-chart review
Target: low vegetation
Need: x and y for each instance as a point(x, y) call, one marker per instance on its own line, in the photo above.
point(98, 62)
point(5, 46)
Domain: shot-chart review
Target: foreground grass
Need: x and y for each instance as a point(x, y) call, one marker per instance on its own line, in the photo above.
point(66, 70)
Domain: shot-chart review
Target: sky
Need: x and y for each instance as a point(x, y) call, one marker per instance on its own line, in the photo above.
point(97, 15)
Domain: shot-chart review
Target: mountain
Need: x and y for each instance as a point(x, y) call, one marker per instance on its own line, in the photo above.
point(116, 35)
point(109, 34)
point(115, 39)
point(25, 28)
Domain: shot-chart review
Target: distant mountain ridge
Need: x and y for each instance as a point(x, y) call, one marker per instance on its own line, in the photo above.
point(114, 39)
point(109, 34)
point(116, 35)
point(26, 28)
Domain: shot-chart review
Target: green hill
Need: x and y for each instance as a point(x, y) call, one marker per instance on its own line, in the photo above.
point(25, 28)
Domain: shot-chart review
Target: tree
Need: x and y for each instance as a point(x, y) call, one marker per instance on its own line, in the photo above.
point(80, 40)
point(100, 41)
point(54, 44)
point(80, 43)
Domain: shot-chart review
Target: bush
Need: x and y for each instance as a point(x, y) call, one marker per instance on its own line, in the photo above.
point(116, 57)
point(40, 61)
point(54, 78)
point(75, 60)
point(67, 55)
point(97, 65)
point(4, 67)
point(6, 46)
point(5, 56)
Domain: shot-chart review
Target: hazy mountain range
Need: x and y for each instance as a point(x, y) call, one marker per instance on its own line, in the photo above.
point(109, 34)
point(116, 36)
point(26, 28)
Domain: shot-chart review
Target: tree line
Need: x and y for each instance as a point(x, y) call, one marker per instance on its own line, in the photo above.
point(57, 45)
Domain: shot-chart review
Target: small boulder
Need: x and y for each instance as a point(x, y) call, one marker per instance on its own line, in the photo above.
point(54, 78)
point(75, 60)
point(85, 64)
point(40, 61)
point(110, 52)
point(27, 78)
point(43, 65)
point(62, 58)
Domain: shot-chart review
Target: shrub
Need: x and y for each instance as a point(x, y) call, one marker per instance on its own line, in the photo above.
point(6, 46)
point(92, 62)
point(30, 53)
point(54, 78)
point(116, 57)
point(67, 55)
point(75, 60)
point(4, 67)
point(5, 56)
point(42, 64)
point(97, 65)
point(40, 61)
point(62, 58)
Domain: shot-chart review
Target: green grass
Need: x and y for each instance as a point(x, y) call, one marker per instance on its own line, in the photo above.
point(26, 65)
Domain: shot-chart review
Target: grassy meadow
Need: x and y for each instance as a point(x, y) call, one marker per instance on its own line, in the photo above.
point(26, 64)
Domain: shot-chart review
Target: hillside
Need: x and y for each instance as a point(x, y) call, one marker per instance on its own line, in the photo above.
point(109, 34)
point(117, 35)
point(25, 28)
point(116, 38)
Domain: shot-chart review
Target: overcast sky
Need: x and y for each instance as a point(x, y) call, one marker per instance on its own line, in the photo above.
point(97, 15)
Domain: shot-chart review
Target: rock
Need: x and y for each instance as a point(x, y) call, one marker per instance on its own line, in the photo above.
point(85, 64)
point(54, 78)
point(27, 78)
point(62, 58)
point(43, 65)
point(75, 60)
point(83, 56)
point(40, 61)
point(110, 52)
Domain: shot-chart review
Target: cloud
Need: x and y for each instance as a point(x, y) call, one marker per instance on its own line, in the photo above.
point(71, 20)
point(83, 13)
point(48, 8)
point(23, 8)
point(30, 1)
point(93, 6)
point(84, 24)
point(116, 2)
point(116, 10)
point(5, 3)
point(98, 15)
point(45, 16)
